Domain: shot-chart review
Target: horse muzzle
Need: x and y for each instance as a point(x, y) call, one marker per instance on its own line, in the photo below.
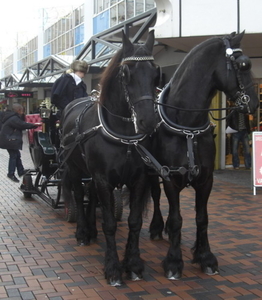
point(143, 115)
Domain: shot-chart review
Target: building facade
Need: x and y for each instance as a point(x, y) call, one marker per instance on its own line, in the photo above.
point(180, 25)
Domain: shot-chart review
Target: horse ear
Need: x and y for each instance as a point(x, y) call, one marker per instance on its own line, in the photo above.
point(128, 47)
point(150, 41)
point(235, 41)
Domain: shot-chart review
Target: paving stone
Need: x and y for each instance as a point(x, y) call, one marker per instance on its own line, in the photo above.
point(40, 259)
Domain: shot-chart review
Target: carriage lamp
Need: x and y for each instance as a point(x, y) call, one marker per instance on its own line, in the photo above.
point(45, 112)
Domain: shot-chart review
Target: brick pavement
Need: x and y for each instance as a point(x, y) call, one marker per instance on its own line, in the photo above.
point(39, 258)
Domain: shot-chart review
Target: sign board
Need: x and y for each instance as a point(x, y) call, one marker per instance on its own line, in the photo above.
point(257, 159)
point(18, 94)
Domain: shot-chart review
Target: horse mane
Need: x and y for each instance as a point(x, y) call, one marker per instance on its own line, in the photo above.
point(192, 56)
point(110, 74)
point(198, 50)
point(205, 44)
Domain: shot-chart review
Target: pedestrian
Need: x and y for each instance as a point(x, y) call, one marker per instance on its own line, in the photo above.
point(70, 85)
point(240, 123)
point(2, 112)
point(11, 139)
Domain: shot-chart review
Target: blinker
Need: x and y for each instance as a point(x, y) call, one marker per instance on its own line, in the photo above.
point(125, 74)
point(243, 63)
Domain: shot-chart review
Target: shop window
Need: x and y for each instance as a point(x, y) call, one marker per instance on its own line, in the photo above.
point(113, 16)
point(77, 49)
point(129, 9)
point(121, 12)
point(76, 17)
point(47, 50)
point(139, 6)
point(101, 22)
point(149, 4)
point(79, 34)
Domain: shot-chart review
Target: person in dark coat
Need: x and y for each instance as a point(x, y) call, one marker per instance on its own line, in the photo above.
point(11, 139)
point(2, 116)
point(240, 123)
point(70, 86)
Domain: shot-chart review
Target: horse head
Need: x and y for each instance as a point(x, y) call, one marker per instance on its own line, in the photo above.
point(128, 87)
point(138, 79)
point(233, 74)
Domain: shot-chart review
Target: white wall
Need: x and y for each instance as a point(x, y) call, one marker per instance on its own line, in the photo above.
point(257, 67)
point(89, 13)
point(250, 16)
point(206, 17)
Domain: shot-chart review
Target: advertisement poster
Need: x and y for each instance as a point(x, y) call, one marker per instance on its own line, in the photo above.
point(257, 159)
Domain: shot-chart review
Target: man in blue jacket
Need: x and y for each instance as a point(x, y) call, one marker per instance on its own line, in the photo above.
point(11, 139)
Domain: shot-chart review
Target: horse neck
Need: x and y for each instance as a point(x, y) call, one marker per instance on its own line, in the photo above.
point(192, 87)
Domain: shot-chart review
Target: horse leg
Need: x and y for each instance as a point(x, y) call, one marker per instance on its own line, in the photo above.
point(113, 268)
point(91, 214)
point(157, 223)
point(72, 187)
point(82, 234)
point(132, 263)
point(173, 263)
point(202, 254)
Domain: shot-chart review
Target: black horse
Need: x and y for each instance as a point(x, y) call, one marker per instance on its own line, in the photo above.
point(100, 138)
point(184, 140)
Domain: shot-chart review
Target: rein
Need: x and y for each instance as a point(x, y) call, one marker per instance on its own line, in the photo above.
point(231, 109)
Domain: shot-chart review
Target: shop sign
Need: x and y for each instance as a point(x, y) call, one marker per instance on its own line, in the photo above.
point(257, 159)
point(18, 94)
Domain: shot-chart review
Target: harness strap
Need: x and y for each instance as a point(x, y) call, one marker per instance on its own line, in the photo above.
point(79, 138)
point(126, 167)
point(151, 162)
point(193, 170)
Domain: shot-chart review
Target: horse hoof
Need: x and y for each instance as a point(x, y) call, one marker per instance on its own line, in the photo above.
point(171, 276)
point(210, 271)
point(136, 277)
point(157, 237)
point(115, 282)
point(81, 243)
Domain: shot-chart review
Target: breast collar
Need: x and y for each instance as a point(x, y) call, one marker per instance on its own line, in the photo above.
point(125, 139)
point(176, 128)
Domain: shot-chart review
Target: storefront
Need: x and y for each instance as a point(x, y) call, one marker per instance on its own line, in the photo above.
point(25, 98)
point(255, 123)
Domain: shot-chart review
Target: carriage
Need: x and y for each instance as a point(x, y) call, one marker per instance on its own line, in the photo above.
point(44, 180)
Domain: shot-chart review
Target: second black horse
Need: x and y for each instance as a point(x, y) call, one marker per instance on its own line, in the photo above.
point(184, 141)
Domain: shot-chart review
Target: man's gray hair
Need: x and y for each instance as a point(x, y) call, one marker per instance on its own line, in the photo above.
point(17, 107)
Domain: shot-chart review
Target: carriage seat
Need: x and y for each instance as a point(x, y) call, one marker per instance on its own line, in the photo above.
point(33, 118)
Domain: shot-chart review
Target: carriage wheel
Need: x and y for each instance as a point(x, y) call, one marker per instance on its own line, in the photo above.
point(50, 187)
point(70, 210)
point(27, 185)
point(118, 204)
